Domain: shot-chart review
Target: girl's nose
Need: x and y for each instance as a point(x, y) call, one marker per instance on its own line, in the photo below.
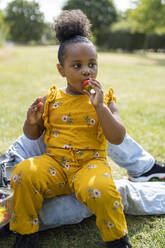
point(86, 72)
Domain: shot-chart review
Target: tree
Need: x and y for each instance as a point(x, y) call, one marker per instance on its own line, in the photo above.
point(149, 15)
point(25, 20)
point(101, 13)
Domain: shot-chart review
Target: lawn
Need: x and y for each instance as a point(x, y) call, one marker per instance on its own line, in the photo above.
point(139, 83)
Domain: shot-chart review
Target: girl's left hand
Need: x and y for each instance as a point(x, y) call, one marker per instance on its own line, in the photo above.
point(96, 95)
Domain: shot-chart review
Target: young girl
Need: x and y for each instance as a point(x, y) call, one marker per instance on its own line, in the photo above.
point(77, 124)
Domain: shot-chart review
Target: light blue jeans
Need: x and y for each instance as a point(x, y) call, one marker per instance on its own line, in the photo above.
point(131, 156)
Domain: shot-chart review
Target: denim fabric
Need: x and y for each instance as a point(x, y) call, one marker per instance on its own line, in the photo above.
point(24, 148)
point(131, 156)
point(146, 198)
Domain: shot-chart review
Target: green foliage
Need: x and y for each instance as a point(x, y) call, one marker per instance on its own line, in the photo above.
point(25, 20)
point(141, 28)
point(123, 25)
point(127, 35)
point(120, 37)
point(49, 36)
point(101, 13)
point(3, 29)
point(149, 15)
point(155, 42)
point(1, 19)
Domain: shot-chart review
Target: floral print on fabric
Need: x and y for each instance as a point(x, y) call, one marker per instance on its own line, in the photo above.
point(62, 184)
point(35, 191)
point(34, 220)
point(67, 119)
point(56, 104)
point(52, 171)
point(73, 178)
point(94, 193)
point(116, 205)
point(68, 110)
point(67, 146)
point(67, 166)
point(56, 133)
point(89, 121)
point(96, 154)
point(65, 162)
point(64, 118)
point(106, 174)
point(91, 166)
point(17, 179)
point(108, 224)
point(81, 153)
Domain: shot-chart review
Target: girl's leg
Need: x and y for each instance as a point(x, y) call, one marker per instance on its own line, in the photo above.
point(95, 188)
point(33, 180)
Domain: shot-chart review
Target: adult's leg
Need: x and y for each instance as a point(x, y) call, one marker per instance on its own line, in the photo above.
point(131, 156)
point(145, 198)
point(140, 164)
point(136, 200)
point(24, 148)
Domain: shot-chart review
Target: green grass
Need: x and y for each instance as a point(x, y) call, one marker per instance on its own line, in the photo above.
point(139, 83)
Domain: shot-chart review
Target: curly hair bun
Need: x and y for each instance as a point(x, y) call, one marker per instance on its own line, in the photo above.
point(72, 23)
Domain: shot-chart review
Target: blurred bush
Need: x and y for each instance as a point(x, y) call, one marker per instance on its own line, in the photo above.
point(120, 36)
point(3, 29)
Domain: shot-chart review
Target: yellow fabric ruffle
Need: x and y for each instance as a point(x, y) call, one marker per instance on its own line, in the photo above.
point(51, 96)
point(109, 97)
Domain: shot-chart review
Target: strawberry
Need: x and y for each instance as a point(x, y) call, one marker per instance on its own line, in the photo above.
point(86, 85)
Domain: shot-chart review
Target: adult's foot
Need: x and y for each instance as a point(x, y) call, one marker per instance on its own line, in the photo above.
point(156, 172)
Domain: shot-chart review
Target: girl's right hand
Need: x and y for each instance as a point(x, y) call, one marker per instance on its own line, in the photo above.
point(35, 112)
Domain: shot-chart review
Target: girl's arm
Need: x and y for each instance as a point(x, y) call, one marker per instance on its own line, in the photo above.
point(34, 124)
point(111, 123)
point(109, 118)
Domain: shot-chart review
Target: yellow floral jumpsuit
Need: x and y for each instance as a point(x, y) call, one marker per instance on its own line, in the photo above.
point(75, 161)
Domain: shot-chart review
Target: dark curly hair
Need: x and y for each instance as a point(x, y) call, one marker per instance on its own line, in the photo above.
point(72, 26)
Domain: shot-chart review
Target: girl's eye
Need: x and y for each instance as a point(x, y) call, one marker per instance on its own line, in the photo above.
point(77, 66)
point(92, 65)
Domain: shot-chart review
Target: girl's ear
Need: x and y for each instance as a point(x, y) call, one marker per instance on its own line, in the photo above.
point(61, 70)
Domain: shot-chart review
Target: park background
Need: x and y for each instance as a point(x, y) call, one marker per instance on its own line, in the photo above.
point(130, 45)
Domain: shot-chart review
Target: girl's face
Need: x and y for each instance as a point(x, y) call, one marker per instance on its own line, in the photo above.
point(80, 63)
